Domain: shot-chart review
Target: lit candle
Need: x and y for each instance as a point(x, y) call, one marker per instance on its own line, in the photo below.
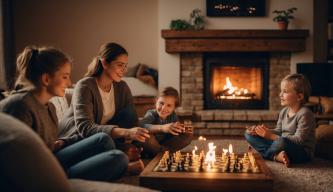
point(230, 149)
point(193, 152)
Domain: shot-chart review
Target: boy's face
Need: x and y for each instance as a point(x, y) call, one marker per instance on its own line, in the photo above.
point(165, 106)
point(288, 96)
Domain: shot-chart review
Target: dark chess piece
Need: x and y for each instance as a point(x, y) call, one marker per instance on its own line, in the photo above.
point(169, 166)
point(201, 165)
point(179, 167)
point(190, 161)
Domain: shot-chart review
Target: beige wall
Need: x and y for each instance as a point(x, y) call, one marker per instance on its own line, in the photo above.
point(79, 27)
point(168, 10)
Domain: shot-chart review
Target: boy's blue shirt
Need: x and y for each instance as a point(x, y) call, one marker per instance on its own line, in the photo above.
point(152, 118)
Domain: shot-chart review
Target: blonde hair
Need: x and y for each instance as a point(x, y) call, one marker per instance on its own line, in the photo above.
point(300, 85)
point(34, 61)
point(109, 52)
point(171, 92)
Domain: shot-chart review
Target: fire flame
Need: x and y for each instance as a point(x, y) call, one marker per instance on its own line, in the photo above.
point(233, 91)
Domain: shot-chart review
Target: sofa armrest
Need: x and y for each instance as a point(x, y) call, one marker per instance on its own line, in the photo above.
point(26, 163)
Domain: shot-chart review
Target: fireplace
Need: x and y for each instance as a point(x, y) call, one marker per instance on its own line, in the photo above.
point(236, 80)
point(268, 50)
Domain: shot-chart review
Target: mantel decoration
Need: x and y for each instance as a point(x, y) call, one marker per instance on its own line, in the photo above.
point(236, 8)
point(196, 22)
point(283, 17)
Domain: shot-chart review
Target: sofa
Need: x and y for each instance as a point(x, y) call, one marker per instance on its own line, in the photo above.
point(323, 109)
point(26, 164)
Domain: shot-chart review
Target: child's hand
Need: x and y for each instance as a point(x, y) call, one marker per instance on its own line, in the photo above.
point(138, 134)
point(58, 144)
point(173, 128)
point(263, 131)
point(251, 130)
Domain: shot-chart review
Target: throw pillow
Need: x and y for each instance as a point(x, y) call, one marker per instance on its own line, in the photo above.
point(327, 104)
point(147, 75)
point(131, 71)
point(324, 141)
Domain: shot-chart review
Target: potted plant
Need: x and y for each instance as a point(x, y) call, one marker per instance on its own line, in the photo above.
point(283, 16)
point(196, 22)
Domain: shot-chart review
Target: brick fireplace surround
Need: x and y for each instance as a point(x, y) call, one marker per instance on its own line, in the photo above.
point(192, 44)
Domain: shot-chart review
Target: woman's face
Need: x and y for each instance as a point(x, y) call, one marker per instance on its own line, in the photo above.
point(60, 80)
point(117, 68)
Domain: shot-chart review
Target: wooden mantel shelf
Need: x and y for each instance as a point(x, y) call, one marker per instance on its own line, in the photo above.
point(235, 41)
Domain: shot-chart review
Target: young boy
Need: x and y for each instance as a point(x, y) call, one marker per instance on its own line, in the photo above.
point(162, 122)
point(293, 139)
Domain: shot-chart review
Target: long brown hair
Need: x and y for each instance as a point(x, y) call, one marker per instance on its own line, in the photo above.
point(109, 52)
point(33, 62)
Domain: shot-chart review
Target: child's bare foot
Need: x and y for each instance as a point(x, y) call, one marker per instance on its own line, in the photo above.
point(282, 157)
point(135, 167)
point(133, 154)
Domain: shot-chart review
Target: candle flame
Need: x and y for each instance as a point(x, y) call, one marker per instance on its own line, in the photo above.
point(201, 138)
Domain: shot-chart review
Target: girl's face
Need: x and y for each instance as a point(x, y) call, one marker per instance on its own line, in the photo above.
point(165, 106)
point(288, 96)
point(117, 68)
point(60, 80)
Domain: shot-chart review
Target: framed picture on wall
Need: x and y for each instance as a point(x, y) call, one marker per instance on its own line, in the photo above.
point(236, 8)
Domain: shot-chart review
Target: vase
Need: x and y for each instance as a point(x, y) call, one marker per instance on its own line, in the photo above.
point(283, 25)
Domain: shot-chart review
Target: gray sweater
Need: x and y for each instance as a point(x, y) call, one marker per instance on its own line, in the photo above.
point(84, 116)
point(152, 118)
point(41, 118)
point(300, 128)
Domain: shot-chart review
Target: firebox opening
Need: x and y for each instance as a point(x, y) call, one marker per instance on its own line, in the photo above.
point(236, 81)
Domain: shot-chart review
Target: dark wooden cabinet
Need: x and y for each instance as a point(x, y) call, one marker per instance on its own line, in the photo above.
point(330, 32)
point(323, 31)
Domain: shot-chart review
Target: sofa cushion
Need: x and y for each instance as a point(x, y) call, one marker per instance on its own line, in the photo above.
point(91, 186)
point(61, 106)
point(324, 141)
point(62, 103)
point(26, 163)
point(327, 104)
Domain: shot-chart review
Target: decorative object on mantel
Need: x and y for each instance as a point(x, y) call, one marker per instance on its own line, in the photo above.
point(283, 17)
point(232, 8)
point(196, 22)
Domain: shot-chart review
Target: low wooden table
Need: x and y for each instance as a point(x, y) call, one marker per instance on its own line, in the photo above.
point(204, 181)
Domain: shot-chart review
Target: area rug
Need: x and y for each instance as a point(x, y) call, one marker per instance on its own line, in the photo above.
point(314, 176)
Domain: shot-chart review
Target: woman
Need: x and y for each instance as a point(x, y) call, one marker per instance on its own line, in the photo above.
point(102, 102)
point(42, 74)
